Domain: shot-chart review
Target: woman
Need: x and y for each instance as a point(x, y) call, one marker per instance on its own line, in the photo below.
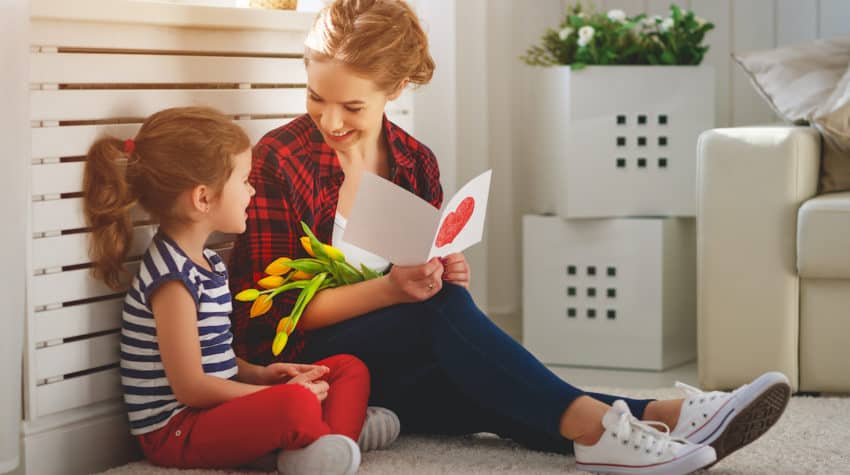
point(434, 357)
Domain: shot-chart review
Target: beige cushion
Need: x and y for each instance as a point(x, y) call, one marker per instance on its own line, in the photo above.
point(798, 80)
point(834, 124)
point(823, 227)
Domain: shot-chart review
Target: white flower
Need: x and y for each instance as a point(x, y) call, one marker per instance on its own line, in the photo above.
point(700, 21)
point(666, 25)
point(585, 34)
point(565, 33)
point(617, 15)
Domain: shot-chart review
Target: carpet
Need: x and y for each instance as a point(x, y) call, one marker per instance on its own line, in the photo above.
point(812, 437)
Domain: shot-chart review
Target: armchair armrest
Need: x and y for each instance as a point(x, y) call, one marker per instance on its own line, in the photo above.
point(750, 183)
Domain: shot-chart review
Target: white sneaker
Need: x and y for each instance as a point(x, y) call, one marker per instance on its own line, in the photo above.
point(729, 421)
point(630, 446)
point(328, 455)
point(380, 430)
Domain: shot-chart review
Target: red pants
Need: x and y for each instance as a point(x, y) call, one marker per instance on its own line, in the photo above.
point(285, 416)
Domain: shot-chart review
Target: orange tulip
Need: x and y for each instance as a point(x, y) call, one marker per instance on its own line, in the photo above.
point(262, 305)
point(278, 267)
point(270, 282)
point(305, 243)
point(301, 275)
point(285, 325)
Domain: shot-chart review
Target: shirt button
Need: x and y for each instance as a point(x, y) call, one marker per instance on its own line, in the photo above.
point(178, 433)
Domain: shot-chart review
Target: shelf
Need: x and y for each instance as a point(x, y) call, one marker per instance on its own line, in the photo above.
point(171, 14)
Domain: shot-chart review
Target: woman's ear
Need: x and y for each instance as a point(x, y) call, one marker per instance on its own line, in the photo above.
point(394, 95)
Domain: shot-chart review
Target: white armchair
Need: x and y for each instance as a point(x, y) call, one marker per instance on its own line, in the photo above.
point(773, 261)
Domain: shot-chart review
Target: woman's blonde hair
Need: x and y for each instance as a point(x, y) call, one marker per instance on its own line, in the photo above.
point(174, 151)
point(381, 39)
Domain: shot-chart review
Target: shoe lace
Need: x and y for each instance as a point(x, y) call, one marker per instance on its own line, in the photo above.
point(643, 435)
point(698, 398)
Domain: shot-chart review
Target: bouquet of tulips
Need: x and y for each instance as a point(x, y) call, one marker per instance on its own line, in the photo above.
point(325, 268)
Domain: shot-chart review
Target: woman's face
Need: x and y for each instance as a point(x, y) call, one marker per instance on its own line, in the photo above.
point(347, 108)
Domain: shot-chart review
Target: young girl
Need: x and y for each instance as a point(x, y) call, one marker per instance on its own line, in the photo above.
point(191, 401)
point(434, 357)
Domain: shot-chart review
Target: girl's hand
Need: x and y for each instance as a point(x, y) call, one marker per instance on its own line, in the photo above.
point(416, 283)
point(310, 379)
point(277, 373)
point(456, 270)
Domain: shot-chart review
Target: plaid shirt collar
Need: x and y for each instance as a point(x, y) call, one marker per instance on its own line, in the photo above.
point(399, 154)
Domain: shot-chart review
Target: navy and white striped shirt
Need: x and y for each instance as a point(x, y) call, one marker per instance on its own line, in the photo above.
point(147, 394)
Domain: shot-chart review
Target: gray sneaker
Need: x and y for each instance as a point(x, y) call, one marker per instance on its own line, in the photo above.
point(380, 430)
point(328, 455)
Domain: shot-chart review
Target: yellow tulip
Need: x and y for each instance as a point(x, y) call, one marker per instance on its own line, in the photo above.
point(270, 282)
point(331, 251)
point(334, 253)
point(285, 325)
point(279, 342)
point(278, 267)
point(301, 275)
point(261, 305)
point(305, 243)
point(247, 295)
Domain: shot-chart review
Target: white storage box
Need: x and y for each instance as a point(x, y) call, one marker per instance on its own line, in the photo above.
point(617, 141)
point(616, 293)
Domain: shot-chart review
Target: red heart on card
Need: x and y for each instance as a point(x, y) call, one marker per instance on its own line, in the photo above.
point(455, 221)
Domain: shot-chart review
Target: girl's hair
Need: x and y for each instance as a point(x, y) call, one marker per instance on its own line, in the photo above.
point(174, 151)
point(381, 39)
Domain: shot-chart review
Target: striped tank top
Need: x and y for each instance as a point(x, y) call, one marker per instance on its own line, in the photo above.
point(149, 399)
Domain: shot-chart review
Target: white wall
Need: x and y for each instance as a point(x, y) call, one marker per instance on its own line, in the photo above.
point(14, 143)
point(513, 25)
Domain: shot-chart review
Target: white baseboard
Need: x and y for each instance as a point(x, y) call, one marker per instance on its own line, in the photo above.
point(86, 446)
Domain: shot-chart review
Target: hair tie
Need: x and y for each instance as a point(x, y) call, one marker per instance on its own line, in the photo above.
point(129, 146)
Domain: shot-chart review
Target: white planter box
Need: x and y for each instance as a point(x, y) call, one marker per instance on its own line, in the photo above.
point(616, 293)
point(616, 141)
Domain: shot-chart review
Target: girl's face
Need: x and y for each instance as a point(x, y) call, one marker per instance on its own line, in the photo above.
point(228, 210)
point(347, 108)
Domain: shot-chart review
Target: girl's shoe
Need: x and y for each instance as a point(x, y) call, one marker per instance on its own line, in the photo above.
point(328, 455)
point(380, 429)
point(729, 421)
point(630, 446)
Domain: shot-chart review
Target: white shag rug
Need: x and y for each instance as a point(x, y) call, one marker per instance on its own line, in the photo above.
point(812, 437)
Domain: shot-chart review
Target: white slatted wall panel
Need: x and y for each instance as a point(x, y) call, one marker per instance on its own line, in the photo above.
point(99, 67)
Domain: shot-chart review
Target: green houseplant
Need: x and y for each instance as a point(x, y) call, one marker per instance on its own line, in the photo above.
point(587, 37)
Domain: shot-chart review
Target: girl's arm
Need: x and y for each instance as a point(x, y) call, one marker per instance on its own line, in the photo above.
point(179, 346)
point(401, 285)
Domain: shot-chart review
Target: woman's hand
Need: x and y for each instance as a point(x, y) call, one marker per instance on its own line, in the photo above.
point(310, 379)
point(277, 373)
point(456, 270)
point(416, 283)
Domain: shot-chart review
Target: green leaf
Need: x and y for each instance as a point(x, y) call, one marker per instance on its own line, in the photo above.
point(369, 273)
point(309, 265)
point(306, 296)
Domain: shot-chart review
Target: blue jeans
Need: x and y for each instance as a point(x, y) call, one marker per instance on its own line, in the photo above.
point(445, 368)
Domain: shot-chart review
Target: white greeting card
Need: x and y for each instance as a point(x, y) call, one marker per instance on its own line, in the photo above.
point(401, 227)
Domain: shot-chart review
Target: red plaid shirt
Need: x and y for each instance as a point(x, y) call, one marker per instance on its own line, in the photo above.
point(297, 177)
